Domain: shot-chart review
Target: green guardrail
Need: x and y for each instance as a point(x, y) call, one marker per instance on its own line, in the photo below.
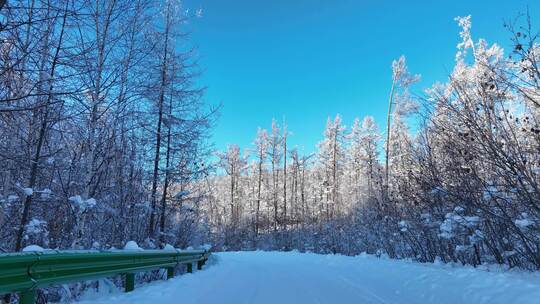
point(24, 273)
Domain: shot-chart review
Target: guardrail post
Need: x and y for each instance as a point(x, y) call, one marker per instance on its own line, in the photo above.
point(170, 273)
point(189, 267)
point(199, 265)
point(130, 282)
point(28, 296)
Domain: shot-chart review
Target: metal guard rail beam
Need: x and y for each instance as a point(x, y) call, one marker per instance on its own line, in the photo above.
point(23, 273)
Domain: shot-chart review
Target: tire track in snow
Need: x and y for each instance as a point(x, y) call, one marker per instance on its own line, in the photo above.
point(364, 290)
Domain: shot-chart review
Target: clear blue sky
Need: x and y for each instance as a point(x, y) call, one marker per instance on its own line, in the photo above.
point(305, 60)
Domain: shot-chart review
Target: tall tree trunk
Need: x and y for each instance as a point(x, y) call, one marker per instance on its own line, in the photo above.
point(285, 177)
point(259, 182)
point(34, 171)
point(302, 190)
point(334, 172)
point(233, 213)
point(388, 137)
point(163, 83)
point(274, 193)
point(166, 182)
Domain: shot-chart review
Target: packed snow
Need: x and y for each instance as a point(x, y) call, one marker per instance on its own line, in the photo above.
point(292, 277)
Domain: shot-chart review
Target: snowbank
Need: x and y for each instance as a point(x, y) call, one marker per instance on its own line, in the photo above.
point(33, 248)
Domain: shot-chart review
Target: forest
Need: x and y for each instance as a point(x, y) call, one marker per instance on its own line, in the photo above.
point(100, 121)
point(460, 184)
point(105, 137)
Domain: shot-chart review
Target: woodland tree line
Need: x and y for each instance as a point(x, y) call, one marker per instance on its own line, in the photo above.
point(104, 139)
point(462, 186)
point(101, 124)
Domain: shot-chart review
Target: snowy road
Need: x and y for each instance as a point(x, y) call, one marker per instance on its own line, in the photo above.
point(282, 278)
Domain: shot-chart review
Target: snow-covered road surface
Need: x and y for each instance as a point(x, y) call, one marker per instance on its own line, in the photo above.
point(282, 278)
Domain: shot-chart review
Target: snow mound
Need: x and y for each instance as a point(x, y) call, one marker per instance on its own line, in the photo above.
point(169, 247)
point(33, 248)
point(206, 247)
point(132, 245)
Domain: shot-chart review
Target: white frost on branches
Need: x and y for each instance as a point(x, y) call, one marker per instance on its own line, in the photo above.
point(35, 226)
point(465, 34)
point(82, 204)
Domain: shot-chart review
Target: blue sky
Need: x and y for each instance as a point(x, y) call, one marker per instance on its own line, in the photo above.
point(304, 61)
